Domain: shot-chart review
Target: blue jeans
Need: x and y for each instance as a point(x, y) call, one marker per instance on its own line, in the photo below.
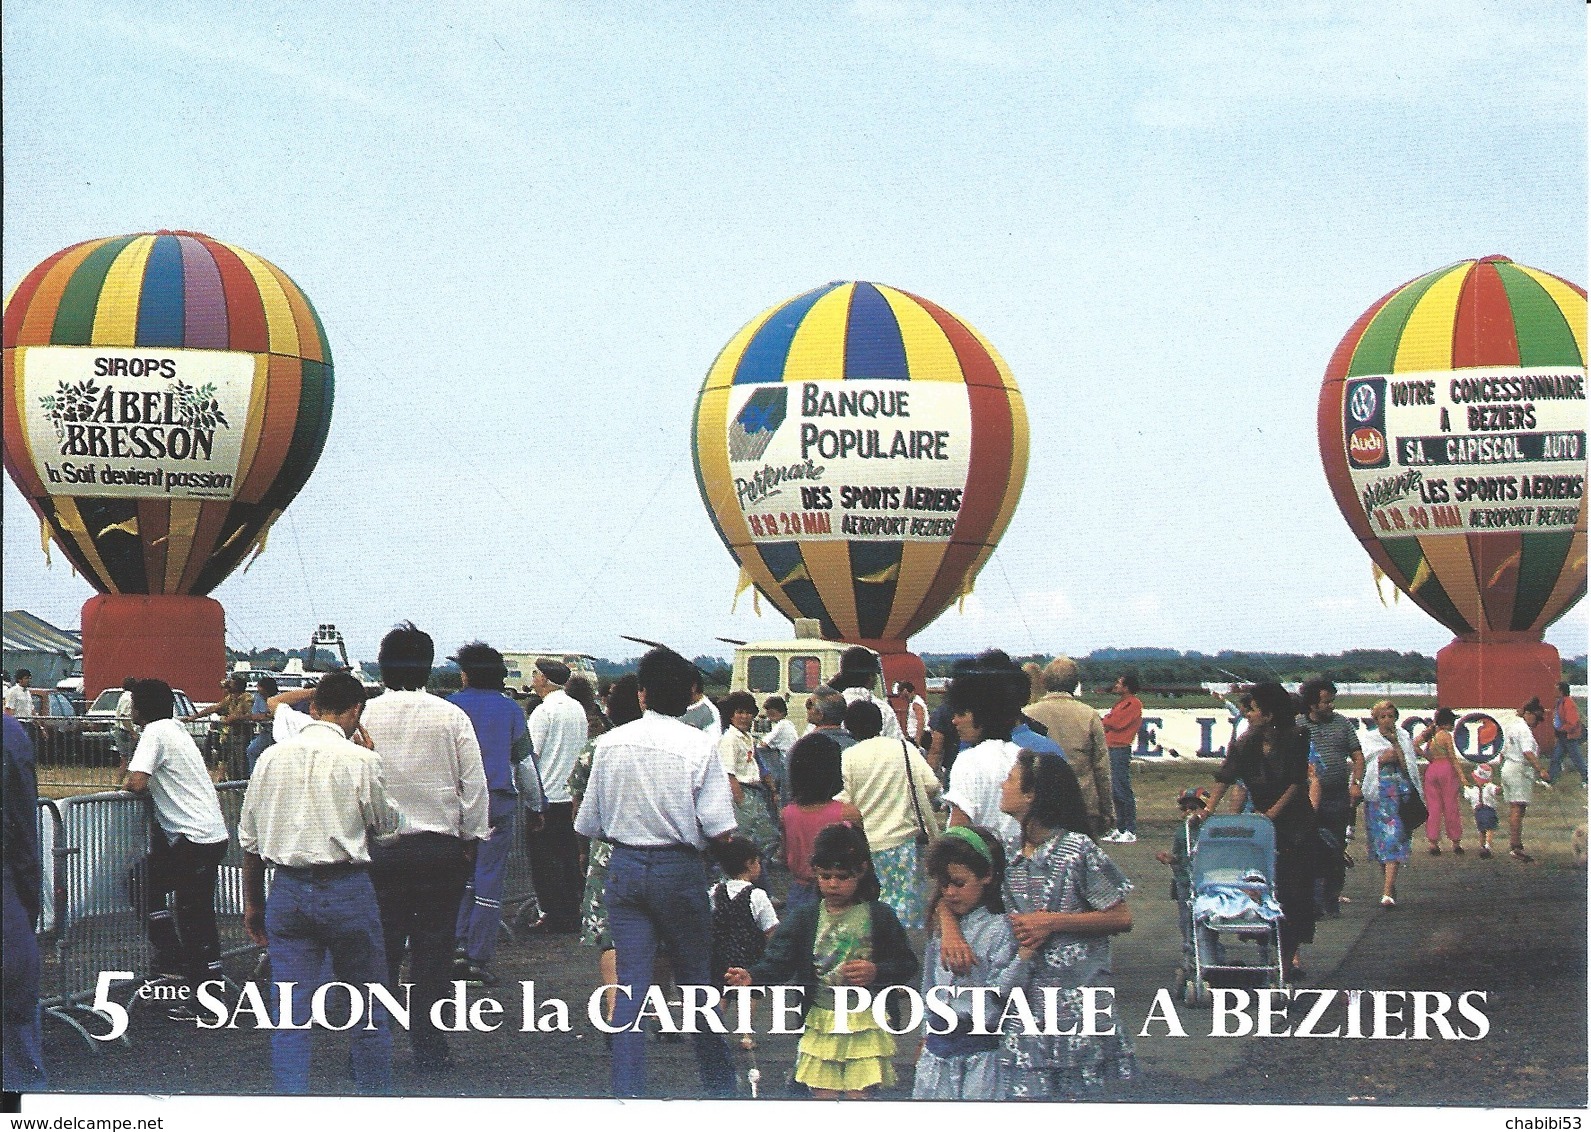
point(481, 910)
point(307, 919)
point(257, 747)
point(771, 763)
point(24, 1048)
point(1121, 790)
point(653, 895)
point(1567, 749)
point(799, 896)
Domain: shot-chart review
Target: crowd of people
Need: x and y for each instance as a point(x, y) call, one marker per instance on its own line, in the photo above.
point(657, 822)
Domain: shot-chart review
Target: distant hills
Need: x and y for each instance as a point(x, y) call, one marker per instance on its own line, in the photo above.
point(1171, 667)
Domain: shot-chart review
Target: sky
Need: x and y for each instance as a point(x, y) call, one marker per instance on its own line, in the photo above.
point(529, 228)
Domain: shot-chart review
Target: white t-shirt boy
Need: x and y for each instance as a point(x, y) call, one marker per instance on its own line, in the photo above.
point(185, 799)
point(1481, 795)
point(761, 907)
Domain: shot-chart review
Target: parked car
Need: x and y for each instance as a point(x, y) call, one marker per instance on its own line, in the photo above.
point(99, 725)
point(52, 726)
point(72, 684)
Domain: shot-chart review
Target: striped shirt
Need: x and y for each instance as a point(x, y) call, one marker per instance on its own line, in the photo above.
point(1335, 739)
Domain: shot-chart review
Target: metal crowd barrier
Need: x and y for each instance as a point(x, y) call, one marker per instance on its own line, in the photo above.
point(93, 848)
point(520, 906)
point(96, 843)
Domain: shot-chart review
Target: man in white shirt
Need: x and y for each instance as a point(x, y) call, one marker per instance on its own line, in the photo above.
point(19, 697)
point(781, 736)
point(916, 714)
point(986, 701)
point(312, 803)
point(124, 732)
point(558, 733)
point(433, 770)
point(659, 793)
point(186, 845)
point(859, 671)
point(702, 712)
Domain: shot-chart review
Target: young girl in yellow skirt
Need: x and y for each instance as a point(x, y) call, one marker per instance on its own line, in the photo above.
point(849, 938)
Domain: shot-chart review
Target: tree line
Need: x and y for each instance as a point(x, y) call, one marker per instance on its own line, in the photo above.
point(1156, 667)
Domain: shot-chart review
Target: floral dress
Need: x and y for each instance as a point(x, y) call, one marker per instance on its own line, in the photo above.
point(1386, 838)
point(1068, 873)
point(593, 911)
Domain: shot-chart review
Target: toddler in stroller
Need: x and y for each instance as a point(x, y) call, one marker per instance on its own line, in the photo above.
point(1233, 897)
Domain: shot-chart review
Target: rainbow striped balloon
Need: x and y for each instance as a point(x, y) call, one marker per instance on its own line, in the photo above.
point(1452, 427)
point(861, 451)
point(167, 395)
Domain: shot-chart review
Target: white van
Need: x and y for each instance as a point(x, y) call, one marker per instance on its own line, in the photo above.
point(791, 669)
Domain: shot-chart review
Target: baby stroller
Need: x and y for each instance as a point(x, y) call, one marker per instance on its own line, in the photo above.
point(1234, 901)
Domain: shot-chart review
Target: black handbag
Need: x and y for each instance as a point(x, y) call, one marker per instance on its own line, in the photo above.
point(1411, 808)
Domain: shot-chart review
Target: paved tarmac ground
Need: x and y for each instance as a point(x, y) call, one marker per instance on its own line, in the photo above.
point(1512, 930)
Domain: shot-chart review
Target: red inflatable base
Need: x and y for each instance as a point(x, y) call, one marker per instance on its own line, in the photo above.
point(181, 640)
point(1497, 673)
point(899, 664)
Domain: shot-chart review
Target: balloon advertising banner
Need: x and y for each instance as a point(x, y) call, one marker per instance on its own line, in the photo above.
point(114, 421)
point(1452, 428)
point(167, 395)
point(861, 451)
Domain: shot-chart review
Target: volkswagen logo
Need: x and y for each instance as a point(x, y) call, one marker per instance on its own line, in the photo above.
point(1362, 403)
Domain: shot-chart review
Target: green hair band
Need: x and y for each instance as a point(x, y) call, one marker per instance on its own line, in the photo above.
point(970, 836)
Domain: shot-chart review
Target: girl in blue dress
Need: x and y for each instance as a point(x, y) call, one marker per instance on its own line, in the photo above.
point(1064, 899)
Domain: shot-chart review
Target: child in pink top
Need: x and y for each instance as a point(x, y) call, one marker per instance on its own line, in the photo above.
point(814, 781)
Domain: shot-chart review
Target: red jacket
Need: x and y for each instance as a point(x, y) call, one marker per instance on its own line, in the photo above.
point(1123, 722)
point(1566, 720)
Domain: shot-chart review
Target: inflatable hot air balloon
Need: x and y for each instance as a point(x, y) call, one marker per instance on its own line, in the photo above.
point(1452, 428)
point(861, 451)
point(167, 395)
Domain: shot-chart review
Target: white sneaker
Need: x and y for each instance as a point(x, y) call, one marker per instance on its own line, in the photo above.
point(1128, 838)
point(1111, 835)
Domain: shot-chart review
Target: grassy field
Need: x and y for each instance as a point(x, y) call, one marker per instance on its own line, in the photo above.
point(57, 782)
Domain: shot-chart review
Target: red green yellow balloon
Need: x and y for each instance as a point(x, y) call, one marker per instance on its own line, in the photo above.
point(167, 395)
point(1452, 429)
point(861, 451)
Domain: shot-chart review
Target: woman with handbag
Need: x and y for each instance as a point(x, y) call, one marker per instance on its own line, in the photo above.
point(893, 786)
point(1272, 761)
point(1393, 794)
